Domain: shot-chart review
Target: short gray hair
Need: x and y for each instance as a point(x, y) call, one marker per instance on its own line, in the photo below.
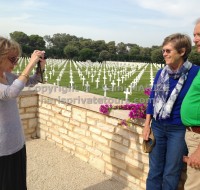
point(197, 21)
point(179, 41)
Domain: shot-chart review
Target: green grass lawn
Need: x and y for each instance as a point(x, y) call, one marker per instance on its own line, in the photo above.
point(65, 66)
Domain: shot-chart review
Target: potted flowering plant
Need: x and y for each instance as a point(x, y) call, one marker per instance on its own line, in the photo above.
point(137, 110)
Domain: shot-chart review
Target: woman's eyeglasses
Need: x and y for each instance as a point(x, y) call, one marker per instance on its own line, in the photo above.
point(166, 50)
point(13, 60)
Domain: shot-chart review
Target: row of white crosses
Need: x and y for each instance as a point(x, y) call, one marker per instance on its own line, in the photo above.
point(119, 77)
point(134, 83)
point(113, 73)
point(49, 67)
point(82, 77)
point(79, 67)
point(114, 70)
point(127, 92)
point(61, 73)
point(52, 67)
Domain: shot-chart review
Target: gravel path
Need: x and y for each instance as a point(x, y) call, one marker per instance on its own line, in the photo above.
point(51, 168)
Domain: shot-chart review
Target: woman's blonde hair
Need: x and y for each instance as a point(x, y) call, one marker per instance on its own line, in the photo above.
point(7, 46)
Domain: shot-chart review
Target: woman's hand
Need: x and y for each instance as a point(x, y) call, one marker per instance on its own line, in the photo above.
point(146, 129)
point(43, 61)
point(37, 56)
point(146, 132)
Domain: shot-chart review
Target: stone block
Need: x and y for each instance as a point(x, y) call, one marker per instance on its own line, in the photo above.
point(97, 163)
point(28, 101)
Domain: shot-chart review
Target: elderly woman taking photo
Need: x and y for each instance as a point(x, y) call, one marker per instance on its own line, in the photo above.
point(12, 141)
point(163, 114)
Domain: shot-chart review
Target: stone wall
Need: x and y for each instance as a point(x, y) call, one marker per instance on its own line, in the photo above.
point(78, 128)
point(28, 109)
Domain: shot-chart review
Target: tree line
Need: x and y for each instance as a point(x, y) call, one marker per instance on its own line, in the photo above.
point(66, 46)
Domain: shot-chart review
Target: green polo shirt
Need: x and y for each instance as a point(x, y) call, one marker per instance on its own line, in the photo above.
point(190, 109)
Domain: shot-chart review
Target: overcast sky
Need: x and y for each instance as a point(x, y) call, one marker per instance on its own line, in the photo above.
point(143, 22)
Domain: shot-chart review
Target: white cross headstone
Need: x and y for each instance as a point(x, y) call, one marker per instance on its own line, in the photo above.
point(71, 82)
point(105, 88)
point(97, 82)
point(122, 79)
point(118, 81)
point(88, 74)
point(104, 79)
point(87, 86)
point(99, 74)
point(50, 73)
point(113, 85)
point(92, 76)
point(127, 92)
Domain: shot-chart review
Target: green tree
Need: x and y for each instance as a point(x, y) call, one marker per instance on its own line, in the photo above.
point(156, 56)
point(59, 41)
point(20, 37)
point(85, 43)
point(122, 48)
point(134, 52)
point(86, 54)
point(37, 42)
point(55, 48)
point(71, 51)
point(194, 57)
point(23, 40)
point(112, 49)
point(145, 54)
point(104, 55)
point(99, 46)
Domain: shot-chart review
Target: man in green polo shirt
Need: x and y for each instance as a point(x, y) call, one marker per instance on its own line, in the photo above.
point(190, 115)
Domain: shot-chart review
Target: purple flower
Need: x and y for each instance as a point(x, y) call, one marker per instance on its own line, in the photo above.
point(105, 109)
point(136, 110)
point(147, 91)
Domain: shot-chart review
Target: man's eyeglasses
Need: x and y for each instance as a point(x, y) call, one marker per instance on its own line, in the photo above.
point(13, 60)
point(166, 50)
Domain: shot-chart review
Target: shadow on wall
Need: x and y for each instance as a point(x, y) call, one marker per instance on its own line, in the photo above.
point(111, 184)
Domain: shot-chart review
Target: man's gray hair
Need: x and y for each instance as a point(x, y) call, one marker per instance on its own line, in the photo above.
point(197, 21)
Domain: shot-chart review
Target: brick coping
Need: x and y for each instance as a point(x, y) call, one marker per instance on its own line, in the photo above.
point(81, 99)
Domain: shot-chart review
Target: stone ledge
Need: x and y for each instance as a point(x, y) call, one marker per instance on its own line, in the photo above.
point(81, 99)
